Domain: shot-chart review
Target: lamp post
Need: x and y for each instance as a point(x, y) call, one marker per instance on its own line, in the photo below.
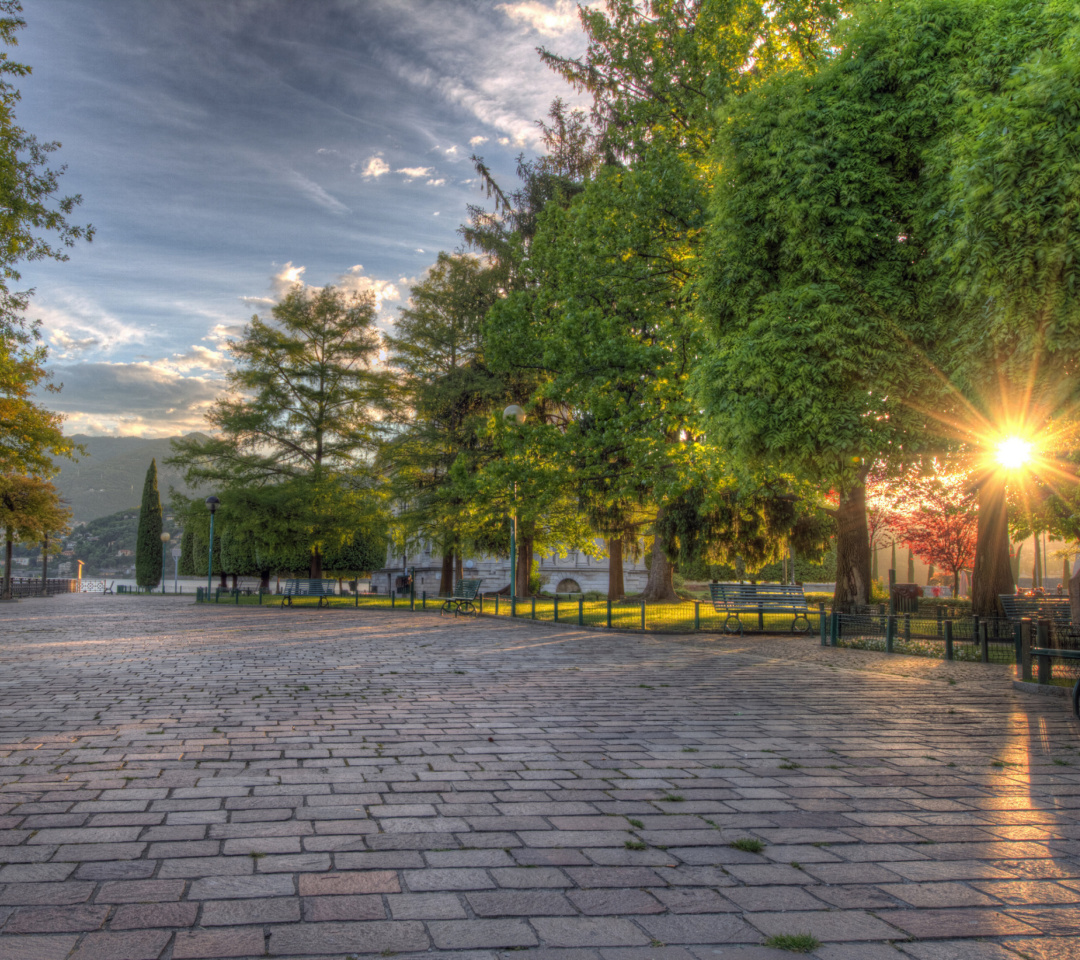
point(211, 505)
point(176, 551)
point(515, 414)
point(165, 538)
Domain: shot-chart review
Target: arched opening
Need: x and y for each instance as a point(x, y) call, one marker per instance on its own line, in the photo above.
point(568, 586)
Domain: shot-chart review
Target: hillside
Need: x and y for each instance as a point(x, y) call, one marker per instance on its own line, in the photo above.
point(110, 478)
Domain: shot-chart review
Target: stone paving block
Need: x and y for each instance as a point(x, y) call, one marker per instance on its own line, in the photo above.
point(223, 913)
point(366, 907)
point(136, 945)
point(610, 902)
point(589, 932)
point(519, 903)
point(701, 928)
point(472, 934)
point(825, 925)
point(140, 891)
point(219, 888)
point(36, 872)
point(963, 950)
point(27, 894)
point(956, 923)
point(218, 944)
point(119, 870)
point(343, 938)
point(426, 906)
point(135, 916)
point(1044, 948)
point(45, 947)
point(56, 919)
point(464, 878)
point(370, 881)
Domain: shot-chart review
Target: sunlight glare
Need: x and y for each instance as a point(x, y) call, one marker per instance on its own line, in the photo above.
point(1013, 452)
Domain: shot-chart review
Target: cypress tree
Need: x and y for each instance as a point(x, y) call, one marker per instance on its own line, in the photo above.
point(148, 542)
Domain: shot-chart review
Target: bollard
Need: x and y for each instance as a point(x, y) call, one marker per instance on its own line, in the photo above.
point(609, 613)
point(1025, 649)
point(948, 640)
point(984, 642)
point(581, 611)
point(890, 633)
point(1042, 635)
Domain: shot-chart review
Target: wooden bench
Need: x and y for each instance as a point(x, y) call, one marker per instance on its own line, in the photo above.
point(306, 587)
point(1046, 657)
point(760, 598)
point(462, 599)
point(1037, 608)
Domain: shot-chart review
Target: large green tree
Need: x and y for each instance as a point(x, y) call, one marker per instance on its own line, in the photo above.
point(299, 421)
point(148, 550)
point(30, 510)
point(34, 225)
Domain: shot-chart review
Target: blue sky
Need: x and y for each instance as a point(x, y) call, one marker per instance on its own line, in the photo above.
point(227, 149)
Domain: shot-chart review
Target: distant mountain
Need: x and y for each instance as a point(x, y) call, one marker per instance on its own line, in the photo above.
point(110, 478)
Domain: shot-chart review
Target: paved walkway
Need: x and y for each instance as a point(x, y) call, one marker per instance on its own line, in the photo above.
point(182, 782)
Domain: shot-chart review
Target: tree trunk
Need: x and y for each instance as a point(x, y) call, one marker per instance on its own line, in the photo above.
point(524, 567)
point(660, 587)
point(315, 570)
point(459, 568)
point(616, 589)
point(992, 573)
point(956, 583)
point(853, 550)
point(224, 581)
point(446, 575)
point(910, 567)
point(264, 581)
point(235, 580)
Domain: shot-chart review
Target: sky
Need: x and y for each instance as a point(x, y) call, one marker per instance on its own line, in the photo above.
point(227, 150)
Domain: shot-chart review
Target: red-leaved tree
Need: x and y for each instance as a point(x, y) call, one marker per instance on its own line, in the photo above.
point(939, 520)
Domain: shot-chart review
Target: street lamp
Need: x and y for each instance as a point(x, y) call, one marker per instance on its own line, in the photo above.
point(515, 414)
point(165, 538)
point(211, 505)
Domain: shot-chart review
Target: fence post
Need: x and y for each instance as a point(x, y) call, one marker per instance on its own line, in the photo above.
point(760, 619)
point(948, 640)
point(556, 607)
point(984, 642)
point(496, 604)
point(1043, 641)
point(217, 594)
point(974, 629)
point(697, 614)
point(939, 613)
point(824, 625)
point(392, 599)
point(609, 613)
point(534, 608)
point(642, 616)
point(260, 594)
point(907, 627)
point(356, 596)
point(1025, 649)
point(1018, 644)
point(581, 611)
point(834, 628)
point(890, 633)
point(513, 606)
point(237, 592)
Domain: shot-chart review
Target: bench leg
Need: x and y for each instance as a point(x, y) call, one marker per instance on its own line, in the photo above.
point(1076, 699)
point(795, 624)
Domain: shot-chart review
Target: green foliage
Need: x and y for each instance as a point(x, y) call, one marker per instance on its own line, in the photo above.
point(238, 551)
point(187, 554)
point(358, 557)
point(148, 549)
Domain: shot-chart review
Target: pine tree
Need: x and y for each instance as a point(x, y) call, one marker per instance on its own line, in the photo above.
point(148, 543)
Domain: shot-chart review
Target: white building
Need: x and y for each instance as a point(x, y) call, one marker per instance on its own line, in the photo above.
point(575, 572)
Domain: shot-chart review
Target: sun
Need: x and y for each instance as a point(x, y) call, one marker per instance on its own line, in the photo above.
point(1013, 452)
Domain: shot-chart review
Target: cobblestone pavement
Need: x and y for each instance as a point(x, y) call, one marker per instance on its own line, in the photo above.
point(182, 782)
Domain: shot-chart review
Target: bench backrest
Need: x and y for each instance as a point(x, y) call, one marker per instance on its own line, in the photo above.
point(767, 596)
point(467, 589)
point(1047, 608)
point(306, 587)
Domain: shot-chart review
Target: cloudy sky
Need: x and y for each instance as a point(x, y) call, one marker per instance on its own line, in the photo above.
point(227, 149)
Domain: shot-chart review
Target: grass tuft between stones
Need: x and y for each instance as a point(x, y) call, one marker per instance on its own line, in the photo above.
point(794, 942)
point(748, 844)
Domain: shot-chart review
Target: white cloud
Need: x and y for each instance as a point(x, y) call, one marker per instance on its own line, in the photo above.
point(315, 193)
point(504, 141)
point(353, 280)
point(76, 327)
point(476, 141)
point(285, 279)
point(451, 151)
point(375, 167)
point(544, 19)
point(436, 183)
point(411, 173)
